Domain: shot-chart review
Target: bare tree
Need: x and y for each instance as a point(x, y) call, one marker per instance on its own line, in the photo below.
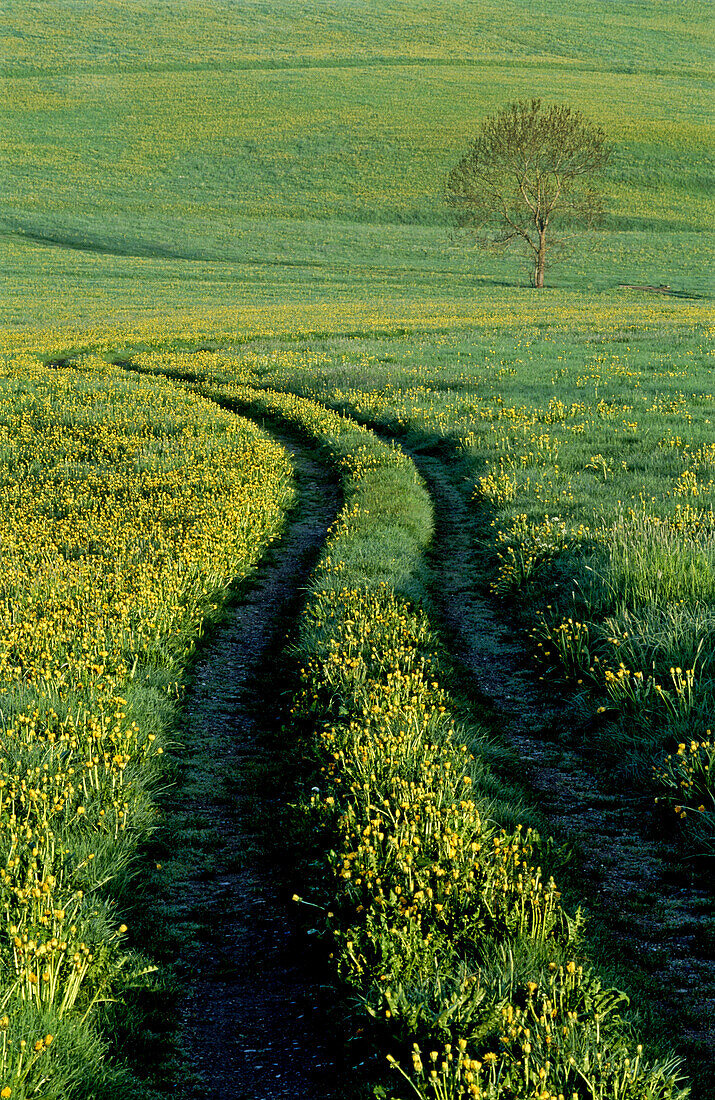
point(526, 173)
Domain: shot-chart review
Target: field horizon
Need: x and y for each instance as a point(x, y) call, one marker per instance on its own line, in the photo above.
point(303, 156)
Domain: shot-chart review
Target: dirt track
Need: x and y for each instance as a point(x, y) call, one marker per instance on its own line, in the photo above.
point(629, 877)
point(254, 1025)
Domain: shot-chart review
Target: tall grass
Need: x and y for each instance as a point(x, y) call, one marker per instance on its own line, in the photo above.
point(661, 563)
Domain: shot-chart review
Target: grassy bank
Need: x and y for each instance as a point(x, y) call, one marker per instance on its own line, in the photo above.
point(129, 509)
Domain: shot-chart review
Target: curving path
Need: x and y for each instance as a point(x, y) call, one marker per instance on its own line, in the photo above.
point(257, 1024)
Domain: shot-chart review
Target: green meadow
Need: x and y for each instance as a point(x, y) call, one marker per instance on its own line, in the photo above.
point(257, 154)
point(244, 202)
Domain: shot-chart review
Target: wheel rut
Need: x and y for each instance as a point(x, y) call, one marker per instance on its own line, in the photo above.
point(631, 878)
point(255, 1023)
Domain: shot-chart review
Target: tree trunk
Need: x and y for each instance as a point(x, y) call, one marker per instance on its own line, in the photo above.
point(540, 261)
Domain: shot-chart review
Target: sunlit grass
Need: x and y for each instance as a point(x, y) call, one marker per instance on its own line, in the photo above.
point(294, 153)
point(128, 511)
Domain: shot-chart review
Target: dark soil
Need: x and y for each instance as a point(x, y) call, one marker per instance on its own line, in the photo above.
point(256, 1023)
point(630, 875)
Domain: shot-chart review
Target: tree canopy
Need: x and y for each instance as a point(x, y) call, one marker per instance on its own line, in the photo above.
point(527, 172)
